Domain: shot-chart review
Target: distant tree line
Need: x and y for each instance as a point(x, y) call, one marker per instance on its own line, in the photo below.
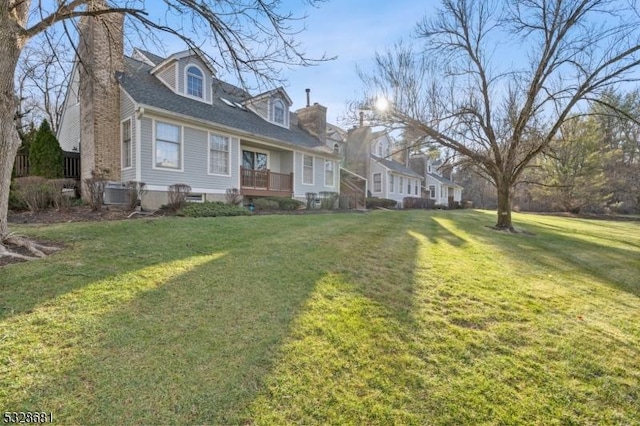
point(591, 166)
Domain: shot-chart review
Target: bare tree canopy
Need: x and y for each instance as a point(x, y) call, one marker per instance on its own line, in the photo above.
point(495, 80)
point(252, 39)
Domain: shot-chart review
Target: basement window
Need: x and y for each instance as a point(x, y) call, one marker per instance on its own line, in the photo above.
point(195, 198)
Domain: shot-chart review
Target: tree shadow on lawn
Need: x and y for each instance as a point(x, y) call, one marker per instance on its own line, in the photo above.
point(200, 345)
point(406, 334)
point(195, 346)
point(444, 232)
point(554, 249)
point(186, 351)
point(98, 251)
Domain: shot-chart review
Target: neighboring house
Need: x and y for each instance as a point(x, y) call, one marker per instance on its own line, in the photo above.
point(369, 154)
point(438, 185)
point(336, 139)
point(177, 123)
point(68, 133)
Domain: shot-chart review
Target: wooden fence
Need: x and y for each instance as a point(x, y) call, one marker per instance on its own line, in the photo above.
point(71, 162)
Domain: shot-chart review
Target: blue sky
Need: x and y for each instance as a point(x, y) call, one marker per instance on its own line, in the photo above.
point(352, 30)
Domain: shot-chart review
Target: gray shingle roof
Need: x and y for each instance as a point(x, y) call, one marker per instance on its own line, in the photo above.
point(443, 180)
point(147, 90)
point(395, 166)
point(151, 56)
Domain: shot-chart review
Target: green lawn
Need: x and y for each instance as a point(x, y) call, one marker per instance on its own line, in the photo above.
point(381, 318)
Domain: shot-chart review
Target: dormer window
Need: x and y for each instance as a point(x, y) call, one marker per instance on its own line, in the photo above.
point(194, 82)
point(278, 112)
point(272, 106)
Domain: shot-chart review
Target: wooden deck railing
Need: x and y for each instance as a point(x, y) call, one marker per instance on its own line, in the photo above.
point(255, 181)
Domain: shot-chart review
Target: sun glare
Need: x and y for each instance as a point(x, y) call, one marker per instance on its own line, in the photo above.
point(382, 104)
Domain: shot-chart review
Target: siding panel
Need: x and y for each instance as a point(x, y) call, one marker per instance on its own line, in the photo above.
point(69, 131)
point(168, 76)
point(318, 177)
point(195, 162)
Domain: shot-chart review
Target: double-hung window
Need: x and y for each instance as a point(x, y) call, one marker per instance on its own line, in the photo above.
point(307, 169)
point(432, 192)
point(328, 173)
point(126, 143)
point(168, 146)
point(219, 160)
point(278, 112)
point(401, 185)
point(377, 182)
point(195, 80)
point(391, 183)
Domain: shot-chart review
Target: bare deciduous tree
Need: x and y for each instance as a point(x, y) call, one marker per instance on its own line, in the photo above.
point(496, 80)
point(252, 37)
point(42, 78)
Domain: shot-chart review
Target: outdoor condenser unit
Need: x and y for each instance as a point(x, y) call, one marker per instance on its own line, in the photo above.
point(116, 193)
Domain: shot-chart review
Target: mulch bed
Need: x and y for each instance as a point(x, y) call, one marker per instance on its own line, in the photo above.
point(73, 214)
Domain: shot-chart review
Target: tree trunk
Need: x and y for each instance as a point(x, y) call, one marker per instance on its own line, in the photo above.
point(10, 48)
point(504, 204)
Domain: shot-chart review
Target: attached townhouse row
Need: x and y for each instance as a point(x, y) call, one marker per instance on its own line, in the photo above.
point(170, 120)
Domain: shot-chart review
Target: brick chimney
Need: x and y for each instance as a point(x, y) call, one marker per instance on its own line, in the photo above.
point(100, 54)
point(313, 119)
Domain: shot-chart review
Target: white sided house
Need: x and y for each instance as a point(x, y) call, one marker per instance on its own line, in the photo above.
point(438, 187)
point(369, 154)
point(176, 123)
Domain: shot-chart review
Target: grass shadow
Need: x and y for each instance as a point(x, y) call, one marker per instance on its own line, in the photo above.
point(195, 346)
point(575, 249)
point(390, 317)
point(94, 252)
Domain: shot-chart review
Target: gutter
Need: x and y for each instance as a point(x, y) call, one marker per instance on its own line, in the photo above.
point(144, 109)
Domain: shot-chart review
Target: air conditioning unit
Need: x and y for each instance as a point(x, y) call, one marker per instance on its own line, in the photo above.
point(116, 193)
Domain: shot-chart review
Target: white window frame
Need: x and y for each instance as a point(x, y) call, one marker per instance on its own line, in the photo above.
point(409, 182)
point(377, 184)
point(228, 139)
point(305, 156)
point(285, 112)
point(432, 192)
point(122, 147)
point(278, 103)
point(155, 140)
point(401, 189)
point(392, 182)
point(333, 173)
point(186, 82)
